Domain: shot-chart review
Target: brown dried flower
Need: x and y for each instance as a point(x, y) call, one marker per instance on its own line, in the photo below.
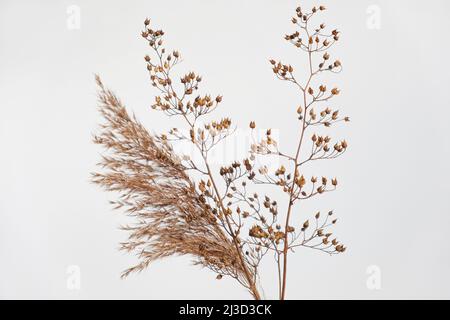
point(211, 216)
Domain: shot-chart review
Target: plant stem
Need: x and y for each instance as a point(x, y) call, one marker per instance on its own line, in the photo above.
point(291, 190)
point(251, 283)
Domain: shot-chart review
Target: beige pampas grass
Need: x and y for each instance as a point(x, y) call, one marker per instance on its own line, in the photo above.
point(155, 189)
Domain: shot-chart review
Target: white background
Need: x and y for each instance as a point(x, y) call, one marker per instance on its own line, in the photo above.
point(393, 202)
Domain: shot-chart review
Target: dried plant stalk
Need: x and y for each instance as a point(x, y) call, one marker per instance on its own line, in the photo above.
point(216, 219)
point(157, 191)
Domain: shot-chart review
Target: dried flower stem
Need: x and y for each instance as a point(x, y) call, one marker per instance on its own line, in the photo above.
point(178, 203)
point(296, 165)
point(309, 49)
point(251, 282)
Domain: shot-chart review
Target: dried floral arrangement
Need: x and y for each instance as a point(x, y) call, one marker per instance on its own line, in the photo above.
point(183, 207)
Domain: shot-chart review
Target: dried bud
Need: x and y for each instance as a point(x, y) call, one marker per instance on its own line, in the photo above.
point(344, 144)
point(281, 171)
point(335, 115)
point(252, 125)
point(257, 232)
point(334, 182)
point(248, 165)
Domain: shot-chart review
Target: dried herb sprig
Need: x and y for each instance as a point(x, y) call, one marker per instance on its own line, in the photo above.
point(315, 42)
point(182, 207)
